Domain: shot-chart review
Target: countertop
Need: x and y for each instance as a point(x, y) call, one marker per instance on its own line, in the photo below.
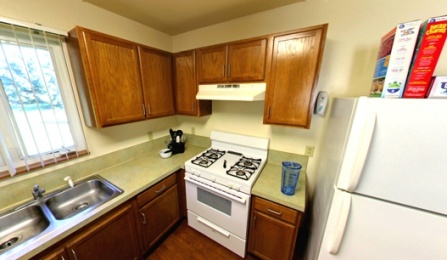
point(137, 175)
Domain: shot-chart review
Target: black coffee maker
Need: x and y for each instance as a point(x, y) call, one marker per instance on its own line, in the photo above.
point(176, 145)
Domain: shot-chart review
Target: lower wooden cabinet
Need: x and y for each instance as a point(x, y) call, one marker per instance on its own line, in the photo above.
point(113, 236)
point(273, 230)
point(158, 210)
point(126, 232)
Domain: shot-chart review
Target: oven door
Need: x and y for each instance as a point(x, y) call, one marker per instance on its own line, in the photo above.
point(218, 205)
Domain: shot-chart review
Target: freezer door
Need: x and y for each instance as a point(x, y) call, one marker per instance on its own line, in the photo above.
point(395, 152)
point(364, 228)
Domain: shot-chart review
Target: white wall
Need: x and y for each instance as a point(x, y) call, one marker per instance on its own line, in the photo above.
point(355, 29)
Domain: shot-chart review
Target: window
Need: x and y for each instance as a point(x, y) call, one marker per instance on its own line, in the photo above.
point(39, 119)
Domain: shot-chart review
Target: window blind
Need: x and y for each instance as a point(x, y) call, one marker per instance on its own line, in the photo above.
point(40, 122)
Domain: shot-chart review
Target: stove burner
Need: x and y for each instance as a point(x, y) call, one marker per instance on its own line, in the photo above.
point(208, 157)
point(244, 168)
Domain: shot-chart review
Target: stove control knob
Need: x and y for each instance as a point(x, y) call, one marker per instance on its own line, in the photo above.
point(230, 185)
point(237, 188)
point(213, 179)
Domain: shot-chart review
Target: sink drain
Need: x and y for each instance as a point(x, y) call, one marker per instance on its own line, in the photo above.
point(9, 243)
point(81, 206)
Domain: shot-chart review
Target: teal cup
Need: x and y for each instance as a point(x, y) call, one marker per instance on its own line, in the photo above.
point(289, 177)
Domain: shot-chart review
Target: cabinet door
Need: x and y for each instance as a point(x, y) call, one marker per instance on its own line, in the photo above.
point(114, 237)
point(156, 72)
point(270, 238)
point(246, 61)
point(186, 86)
point(158, 216)
point(211, 64)
point(113, 78)
point(294, 73)
point(53, 254)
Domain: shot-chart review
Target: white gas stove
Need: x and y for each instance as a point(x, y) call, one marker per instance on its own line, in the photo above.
point(233, 160)
point(218, 187)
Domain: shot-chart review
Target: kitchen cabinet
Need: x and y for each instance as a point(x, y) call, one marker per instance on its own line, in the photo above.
point(273, 230)
point(294, 71)
point(242, 61)
point(156, 74)
point(107, 76)
point(113, 236)
point(186, 86)
point(119, 81)
point(158, 209)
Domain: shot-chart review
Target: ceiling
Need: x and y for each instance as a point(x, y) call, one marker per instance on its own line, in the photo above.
point(177, 16)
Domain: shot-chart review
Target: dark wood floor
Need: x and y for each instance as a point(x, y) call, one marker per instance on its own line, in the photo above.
point(187, 243)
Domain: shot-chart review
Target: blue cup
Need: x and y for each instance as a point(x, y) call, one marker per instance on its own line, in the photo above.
point(289, 177)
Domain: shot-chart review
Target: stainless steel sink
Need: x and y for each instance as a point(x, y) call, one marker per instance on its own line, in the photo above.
point(45, 214)
point(21, 225)
point(84, 196)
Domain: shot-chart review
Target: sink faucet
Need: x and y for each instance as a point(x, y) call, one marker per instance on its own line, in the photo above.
point(37, 192)
point(70, 181)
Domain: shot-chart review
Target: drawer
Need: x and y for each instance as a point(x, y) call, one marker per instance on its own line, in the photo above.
point(149, 194)
point(276, 210)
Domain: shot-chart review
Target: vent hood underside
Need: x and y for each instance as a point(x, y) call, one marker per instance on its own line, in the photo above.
point(232, 92)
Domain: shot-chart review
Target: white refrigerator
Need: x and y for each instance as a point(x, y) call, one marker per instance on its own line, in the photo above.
point(381, 188)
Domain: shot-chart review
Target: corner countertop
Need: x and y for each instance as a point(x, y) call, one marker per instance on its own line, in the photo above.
point(268, 186)
point(135, 176)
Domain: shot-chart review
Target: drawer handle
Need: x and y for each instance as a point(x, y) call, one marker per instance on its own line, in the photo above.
point(144, 218)
point(74, 254)
point(160, 190)
point(274, 212)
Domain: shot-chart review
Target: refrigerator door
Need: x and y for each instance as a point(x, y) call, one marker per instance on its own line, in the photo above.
point(394, 152)
point(364, 228)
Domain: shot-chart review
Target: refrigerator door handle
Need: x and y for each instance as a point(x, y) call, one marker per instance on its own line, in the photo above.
point(335, 240)
point(362, 149)
point(362, 152)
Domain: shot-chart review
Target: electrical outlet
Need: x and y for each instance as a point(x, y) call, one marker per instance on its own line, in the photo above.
point(309, 150)
point(193, 130)
point(150, 136)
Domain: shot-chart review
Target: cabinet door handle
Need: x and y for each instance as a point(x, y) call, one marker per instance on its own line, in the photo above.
point(254, 221)
point(268, 112)
point(223, 71)
point(62, 258)
point(148, 109)
point(144, 218)
point(74, 254)
point(229, 70)
point(144, 110)
point(274, 212)
point(160, 190)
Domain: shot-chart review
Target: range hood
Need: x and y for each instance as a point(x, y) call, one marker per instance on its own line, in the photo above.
point(232, 92)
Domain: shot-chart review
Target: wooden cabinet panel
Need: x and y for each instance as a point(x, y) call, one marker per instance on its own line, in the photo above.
point(273, 230)
point(211, 64)
point(58, 253)
point(112, 238)
point(246, 61)
point(242, 61)
point(156, 190)
point(186, 86)
point(107, 76)
point(156, 73)
point(270, 238)
point(159, 216)
point(294, 73)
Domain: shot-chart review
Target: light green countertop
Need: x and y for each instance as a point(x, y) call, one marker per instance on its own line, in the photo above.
point(268, 186)
point(136, 175)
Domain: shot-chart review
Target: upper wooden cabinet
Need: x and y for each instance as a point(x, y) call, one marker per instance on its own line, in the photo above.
point(119, 81)
point(294, 74)
point(156, 74)
point(186, 86)
point(237, 62)
point(107, 76)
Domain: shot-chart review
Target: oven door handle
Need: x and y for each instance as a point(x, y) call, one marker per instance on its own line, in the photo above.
point(241, 199)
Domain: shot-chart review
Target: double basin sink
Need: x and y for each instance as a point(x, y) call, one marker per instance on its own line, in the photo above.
point(35, 218)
